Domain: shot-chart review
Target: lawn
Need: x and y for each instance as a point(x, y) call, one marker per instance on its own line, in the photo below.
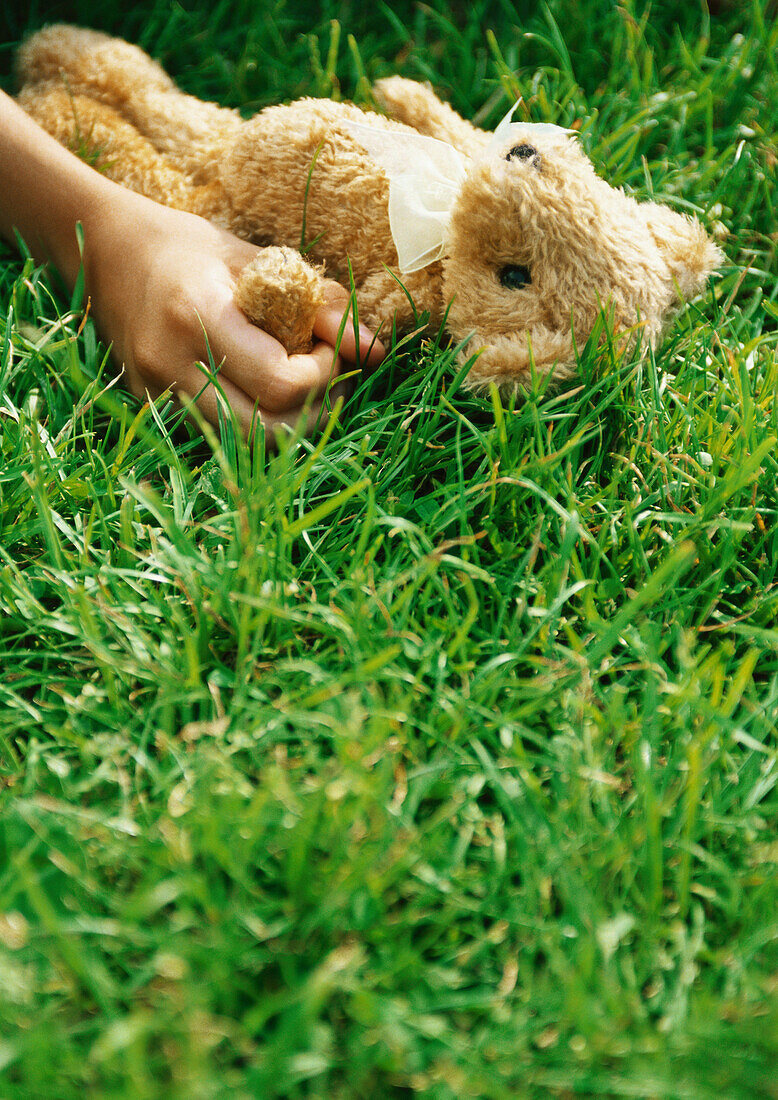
point(436, 754)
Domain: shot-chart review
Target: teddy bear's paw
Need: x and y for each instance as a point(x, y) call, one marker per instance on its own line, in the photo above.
point(281, 292)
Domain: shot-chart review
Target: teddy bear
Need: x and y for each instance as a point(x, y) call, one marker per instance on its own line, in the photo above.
point(509, 239)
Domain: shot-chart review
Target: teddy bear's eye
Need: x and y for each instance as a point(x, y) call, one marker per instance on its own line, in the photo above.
point(515, 276)
point(523, 152)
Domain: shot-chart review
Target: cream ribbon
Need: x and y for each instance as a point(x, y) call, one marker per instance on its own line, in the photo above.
point(425, 177)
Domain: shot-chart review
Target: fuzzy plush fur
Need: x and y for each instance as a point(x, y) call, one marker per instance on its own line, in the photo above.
point(587, 245)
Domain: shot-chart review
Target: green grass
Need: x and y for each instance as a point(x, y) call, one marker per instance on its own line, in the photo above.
point(437, 755)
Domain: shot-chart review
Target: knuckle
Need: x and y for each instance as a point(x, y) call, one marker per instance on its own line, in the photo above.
point(181, 311)
point(280, 394)
point(146, 361)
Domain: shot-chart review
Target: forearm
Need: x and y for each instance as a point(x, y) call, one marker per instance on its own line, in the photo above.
point(45, 190)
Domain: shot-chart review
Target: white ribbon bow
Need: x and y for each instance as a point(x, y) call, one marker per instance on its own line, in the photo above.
point(425, 177)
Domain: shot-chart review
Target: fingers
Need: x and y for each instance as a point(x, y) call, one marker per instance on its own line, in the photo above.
point(259, 366)
point(249, 414)
point(327, 326)
point(330, 315)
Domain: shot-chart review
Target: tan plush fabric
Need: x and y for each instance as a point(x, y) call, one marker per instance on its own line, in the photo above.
point(297, 169)
point(280, 291)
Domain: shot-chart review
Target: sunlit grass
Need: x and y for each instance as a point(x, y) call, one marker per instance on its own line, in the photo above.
point(436, 754)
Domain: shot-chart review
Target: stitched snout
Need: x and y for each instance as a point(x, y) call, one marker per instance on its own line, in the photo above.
point(510, 361)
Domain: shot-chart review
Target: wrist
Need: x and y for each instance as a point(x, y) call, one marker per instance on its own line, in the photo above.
point(45, 191)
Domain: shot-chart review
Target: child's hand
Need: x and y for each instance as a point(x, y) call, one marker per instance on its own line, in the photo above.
point(160, 280)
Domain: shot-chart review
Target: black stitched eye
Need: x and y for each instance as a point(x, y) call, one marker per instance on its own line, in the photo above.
point(523, 152)
point(514, 276)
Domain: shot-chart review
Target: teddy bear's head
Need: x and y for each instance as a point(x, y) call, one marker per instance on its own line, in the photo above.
point(534, 245)
point(538, 244)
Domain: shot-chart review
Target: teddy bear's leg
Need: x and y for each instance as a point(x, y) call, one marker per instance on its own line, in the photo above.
point(87, 57)
point(110, 144)
point(417, 105)
point(280, 292)
point(190, 132)
point(386, 302)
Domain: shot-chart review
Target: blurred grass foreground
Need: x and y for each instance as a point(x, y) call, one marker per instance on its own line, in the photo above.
point(435, 755)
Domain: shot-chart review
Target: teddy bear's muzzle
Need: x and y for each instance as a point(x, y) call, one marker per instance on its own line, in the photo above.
point(511, 361)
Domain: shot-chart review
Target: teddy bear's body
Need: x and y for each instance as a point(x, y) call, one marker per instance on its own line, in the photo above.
point(526, 238)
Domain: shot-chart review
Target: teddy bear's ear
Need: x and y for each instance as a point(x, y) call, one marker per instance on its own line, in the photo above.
point(685, 247)
point(425, 177)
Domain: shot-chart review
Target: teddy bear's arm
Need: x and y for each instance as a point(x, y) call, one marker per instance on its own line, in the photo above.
point(280, 292)
point(417, 105)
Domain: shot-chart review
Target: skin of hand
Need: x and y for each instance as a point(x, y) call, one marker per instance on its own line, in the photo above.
point(159, 280)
